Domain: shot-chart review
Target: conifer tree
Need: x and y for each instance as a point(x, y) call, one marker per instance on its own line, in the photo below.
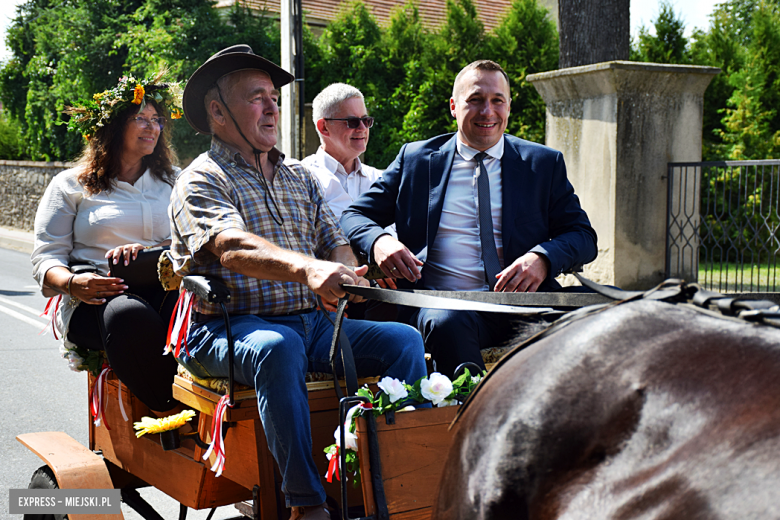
point(668, 45)
point(752, 123)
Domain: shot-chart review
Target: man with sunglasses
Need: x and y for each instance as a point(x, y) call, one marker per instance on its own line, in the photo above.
point(343, 124)
point(481, 209)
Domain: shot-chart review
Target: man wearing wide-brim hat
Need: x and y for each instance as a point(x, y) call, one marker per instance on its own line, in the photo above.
point(240, 214)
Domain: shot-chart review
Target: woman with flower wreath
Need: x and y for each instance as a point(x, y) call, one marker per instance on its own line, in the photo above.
point(112, 205)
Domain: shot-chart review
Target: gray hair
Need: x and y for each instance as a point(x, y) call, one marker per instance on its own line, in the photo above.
point(327, 102)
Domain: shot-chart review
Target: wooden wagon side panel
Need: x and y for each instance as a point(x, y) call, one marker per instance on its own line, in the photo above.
point(173, 472)
point(412, 453)
point(249, 467)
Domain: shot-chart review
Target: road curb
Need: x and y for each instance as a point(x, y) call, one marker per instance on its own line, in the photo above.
point(17, 240)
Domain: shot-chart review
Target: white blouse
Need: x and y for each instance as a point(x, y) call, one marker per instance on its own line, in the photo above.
point(71, 226)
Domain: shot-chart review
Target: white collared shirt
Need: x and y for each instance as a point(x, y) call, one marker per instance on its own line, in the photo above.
point(73, 226)
point(455, 257)
point(340, 188)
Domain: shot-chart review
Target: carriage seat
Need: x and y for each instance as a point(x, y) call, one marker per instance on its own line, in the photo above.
point(316, 380)
point(210, 390)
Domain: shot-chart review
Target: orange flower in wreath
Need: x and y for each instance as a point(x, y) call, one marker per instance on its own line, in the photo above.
point(138, 94)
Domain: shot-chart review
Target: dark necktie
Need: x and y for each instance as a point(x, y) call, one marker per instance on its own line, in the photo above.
point(489, 252)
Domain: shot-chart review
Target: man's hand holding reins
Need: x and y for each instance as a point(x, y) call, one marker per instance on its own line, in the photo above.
point(327, 278)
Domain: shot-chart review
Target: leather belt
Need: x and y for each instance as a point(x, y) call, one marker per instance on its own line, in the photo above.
point(198, 318)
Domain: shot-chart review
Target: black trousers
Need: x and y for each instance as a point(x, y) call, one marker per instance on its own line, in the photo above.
point(455, 337)
point(135, 328)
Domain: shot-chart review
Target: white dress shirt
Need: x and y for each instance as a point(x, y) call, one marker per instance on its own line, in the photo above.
point(455, 257)
point(71, 226)
point(339, 187)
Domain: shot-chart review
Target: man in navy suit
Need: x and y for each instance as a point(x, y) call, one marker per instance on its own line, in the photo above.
point(528, 228)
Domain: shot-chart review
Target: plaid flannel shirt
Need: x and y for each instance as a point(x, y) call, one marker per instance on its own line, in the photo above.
point(220, 191)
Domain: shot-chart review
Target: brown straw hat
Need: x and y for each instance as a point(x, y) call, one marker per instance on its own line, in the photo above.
point(232, 59)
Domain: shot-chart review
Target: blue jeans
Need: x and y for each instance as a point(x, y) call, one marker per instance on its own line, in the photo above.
point(273, 354)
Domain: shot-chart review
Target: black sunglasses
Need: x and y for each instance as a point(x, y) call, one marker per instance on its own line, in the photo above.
point(354, 122)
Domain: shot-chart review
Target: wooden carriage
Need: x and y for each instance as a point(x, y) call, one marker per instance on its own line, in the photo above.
point(404, 471)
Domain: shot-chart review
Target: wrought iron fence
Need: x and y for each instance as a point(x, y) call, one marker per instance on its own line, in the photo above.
point(723, 223)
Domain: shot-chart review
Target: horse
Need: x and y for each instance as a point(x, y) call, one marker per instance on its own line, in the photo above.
point(644, 409)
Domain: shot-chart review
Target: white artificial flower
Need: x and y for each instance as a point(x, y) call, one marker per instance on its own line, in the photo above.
point(436, 388)
point(448, 402)
point(409, 408)
point(476, 379)
point(349, 437)
point(75, 361)
point(64, 351)
point(393, 388)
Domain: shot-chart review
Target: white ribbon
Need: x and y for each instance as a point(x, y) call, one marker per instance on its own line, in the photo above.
point(121, 404)
point(50, 313)
point(217, 441)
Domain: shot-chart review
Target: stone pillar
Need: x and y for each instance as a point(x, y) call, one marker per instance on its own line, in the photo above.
point(618, 124)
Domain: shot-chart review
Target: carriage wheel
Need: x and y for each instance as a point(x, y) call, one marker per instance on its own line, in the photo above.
point(44, 478)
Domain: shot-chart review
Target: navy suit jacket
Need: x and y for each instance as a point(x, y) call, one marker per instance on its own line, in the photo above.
point(540, 211)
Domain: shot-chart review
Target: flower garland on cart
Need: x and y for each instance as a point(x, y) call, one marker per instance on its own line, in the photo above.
point(394, 396)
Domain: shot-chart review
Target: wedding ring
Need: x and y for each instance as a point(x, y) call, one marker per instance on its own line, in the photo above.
point(394, 269)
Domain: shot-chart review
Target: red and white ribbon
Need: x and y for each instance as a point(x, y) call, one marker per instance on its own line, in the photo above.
point(217, 441)
point(50, 313)
point(180, 324)
point(351, 413)
point(333, 465)
point(98, 397)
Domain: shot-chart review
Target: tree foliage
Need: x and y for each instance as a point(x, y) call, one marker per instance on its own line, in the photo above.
point(67, 49)
point(741, 120)
point(9, 138)
point(407, 77)
point(752, 121)
point(668, 45)
point(740, 116)
point(61, 51)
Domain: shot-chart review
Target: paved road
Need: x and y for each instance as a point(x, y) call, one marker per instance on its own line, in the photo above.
point(39, 393)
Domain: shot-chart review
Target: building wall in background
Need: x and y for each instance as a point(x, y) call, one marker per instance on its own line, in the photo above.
point(433, 12)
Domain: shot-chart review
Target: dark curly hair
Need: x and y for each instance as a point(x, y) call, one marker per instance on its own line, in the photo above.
point(102, 157)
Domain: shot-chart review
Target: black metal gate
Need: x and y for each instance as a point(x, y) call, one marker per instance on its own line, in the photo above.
point(722, 224)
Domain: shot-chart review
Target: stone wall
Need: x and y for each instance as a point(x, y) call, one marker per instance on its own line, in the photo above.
point(22, 184)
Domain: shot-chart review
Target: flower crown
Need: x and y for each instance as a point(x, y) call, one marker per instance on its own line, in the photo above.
point(88, 115)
